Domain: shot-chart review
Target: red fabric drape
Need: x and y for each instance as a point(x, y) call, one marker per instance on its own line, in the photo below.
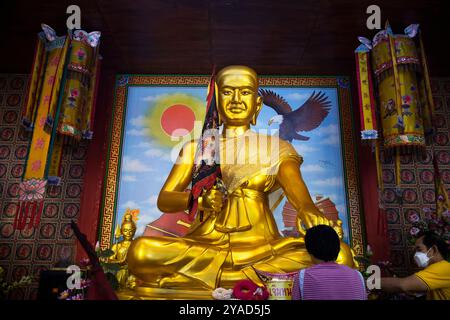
point(377, 240)
point(374, 219)
point(100, 289)
point(91, 197)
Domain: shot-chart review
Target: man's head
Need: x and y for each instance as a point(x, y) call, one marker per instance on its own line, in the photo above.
point(429, 245)
point(322, 243)
point(238, 99)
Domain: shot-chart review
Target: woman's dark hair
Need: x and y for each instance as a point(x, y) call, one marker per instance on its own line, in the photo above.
point(431, 239)
point(322, 242)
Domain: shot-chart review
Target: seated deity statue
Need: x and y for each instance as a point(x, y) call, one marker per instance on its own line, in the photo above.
point(120, 249)
point(237, 234)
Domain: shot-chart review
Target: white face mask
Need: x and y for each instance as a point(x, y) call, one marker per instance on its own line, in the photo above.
point(422, 259)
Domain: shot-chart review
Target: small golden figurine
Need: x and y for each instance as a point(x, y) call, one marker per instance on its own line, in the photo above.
point(127, 231)
point(347, 254)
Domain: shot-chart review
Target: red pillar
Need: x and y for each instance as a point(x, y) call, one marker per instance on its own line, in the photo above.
point(95, 169)
point(377, 240)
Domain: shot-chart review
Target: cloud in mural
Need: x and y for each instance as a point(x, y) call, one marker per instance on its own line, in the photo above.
point(329, 182)
point(134, 165)
point(332, 140)
point(297, 97)
point(130, 204)
point(161, 178)
point(304, 148)
point(312, 168)
point(331, 129)
point(151, 200)
point(142, 144)
point(138, 121)
point(334, 197)
point(151, 98)
point(329, 135)
point(129, 178)
point(157, 153)
point(138, 132)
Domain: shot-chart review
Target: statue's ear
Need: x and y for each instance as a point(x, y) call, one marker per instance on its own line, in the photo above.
point(258, 110)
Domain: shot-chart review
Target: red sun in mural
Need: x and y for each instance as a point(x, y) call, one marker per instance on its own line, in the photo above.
point(173, 117)
point(177, 120)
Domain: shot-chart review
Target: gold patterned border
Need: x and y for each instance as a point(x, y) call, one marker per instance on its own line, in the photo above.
point(351, 171)
point(116, 130)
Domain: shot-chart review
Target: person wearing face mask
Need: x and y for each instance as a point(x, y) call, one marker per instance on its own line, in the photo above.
point(431, 254)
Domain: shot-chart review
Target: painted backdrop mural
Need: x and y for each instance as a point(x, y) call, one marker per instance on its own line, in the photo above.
point(159, 119)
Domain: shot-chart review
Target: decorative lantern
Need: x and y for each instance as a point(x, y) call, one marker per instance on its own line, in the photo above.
point(398, 99)
point(58, 111)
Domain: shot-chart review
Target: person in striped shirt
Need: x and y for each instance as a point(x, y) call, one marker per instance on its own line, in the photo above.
point(326, 279)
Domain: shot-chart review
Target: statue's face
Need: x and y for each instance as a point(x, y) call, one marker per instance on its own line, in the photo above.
point(239, 102)
point(128, 231)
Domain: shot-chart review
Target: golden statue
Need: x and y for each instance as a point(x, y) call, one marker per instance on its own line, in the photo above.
point(346, 254)
point(127, 230)
point(238, 233)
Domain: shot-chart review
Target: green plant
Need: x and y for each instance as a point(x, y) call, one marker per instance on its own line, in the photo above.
point(6, 288)
point(109, 268)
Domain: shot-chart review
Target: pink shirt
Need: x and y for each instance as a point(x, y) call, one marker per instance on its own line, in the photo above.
point(329, 281)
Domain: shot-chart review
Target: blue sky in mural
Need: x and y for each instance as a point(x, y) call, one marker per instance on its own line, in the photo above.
point(145, 163)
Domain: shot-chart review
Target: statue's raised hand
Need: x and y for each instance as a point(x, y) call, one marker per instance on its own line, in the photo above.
point(310, 217)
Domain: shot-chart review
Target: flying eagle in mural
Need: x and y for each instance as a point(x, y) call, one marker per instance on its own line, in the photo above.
point(305, 118)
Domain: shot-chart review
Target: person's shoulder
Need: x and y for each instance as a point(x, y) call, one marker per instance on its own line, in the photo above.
point(328, 265)
point(345, 267)
point(439, 269)
point(442, 266)
point(347, 270)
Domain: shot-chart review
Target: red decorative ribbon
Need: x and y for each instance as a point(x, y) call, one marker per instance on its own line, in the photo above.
point(28, 215)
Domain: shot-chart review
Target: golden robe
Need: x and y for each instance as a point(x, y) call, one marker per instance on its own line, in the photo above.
point(229, 246)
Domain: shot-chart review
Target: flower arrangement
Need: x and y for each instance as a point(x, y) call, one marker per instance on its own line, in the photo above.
point(432, 222)
point(242, 290)
point(248, 290)
point(223, 294)
point(110, 269)
point(75, 294)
